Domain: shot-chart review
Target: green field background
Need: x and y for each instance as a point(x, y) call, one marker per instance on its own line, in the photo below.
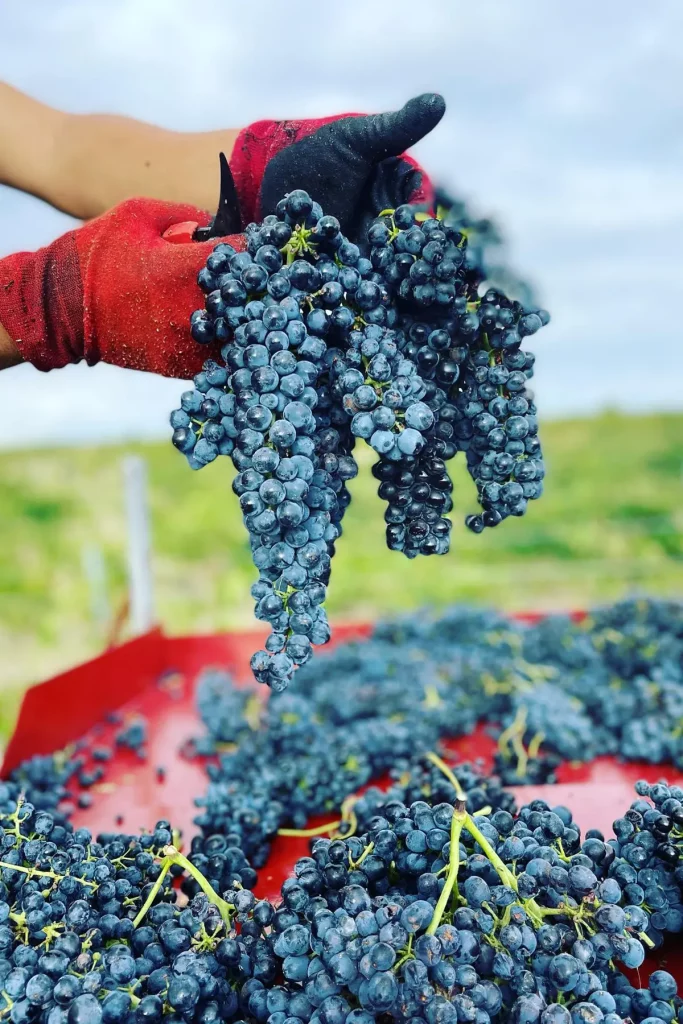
point(610, 524)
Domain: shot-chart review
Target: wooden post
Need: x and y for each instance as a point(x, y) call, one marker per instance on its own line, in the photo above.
point(140, 587)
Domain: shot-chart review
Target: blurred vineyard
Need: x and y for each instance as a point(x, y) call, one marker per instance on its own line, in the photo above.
point(610, 524)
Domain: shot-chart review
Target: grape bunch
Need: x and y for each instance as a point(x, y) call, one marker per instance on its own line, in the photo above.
point(280, 305)
point(498, 416)
point(467, 350)
point(322, 345)
point(382, 391)
point(418, 496)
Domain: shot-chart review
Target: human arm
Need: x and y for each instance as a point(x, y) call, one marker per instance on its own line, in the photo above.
point(84, 164)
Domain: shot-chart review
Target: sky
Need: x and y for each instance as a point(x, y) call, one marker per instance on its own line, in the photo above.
point(564, 121)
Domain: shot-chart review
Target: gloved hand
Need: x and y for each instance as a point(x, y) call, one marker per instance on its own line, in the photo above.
point(114, 290)
point(354, 165)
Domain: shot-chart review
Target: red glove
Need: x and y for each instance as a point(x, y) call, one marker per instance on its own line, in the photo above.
point(113, 290)
point(354, 165)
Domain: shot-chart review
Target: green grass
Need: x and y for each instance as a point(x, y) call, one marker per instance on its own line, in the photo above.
point(609, 524)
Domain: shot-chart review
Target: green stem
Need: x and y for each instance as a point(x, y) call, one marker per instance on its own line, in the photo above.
point(407, 954)
point(458, 820)
point(443, 767)
point(560, 848)
point(366, 853)
point(224, 908)
point(36, 873)
point(506, 876)
point(28, 871)
point(165, 867)
point(535, 744)
point(7, 1008)
point(305, 833)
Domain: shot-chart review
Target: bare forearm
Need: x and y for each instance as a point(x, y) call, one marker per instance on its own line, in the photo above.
point(101, 159)
point(84, 164)
point(9, 353)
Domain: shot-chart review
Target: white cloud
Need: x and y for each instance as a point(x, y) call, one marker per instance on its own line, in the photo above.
point(83, 405)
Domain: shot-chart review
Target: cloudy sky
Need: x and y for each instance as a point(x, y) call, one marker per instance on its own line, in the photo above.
point(565, 121)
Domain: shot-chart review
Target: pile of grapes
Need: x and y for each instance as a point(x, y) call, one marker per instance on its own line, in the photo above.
point(427, 911)
point(553, 691)
point(324, 341)
point(436, 900)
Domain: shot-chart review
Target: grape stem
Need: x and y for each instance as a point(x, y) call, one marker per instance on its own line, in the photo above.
point(165, 867)
point(225, 909)
point(506, 876)
point(366, 853)
point(305, 833)
point(535, 744)
point(443, 767)
point(173, 856)
point(458, 821)
point(35, 873)
point(348, 818)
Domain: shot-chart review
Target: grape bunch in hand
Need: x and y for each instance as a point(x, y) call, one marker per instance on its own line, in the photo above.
point(324, 341)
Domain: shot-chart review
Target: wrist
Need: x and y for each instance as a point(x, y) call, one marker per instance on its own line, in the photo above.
point(41, 305)
point(9, 353)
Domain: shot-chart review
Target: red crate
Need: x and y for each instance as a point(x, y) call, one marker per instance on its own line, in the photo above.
point(155, 675)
